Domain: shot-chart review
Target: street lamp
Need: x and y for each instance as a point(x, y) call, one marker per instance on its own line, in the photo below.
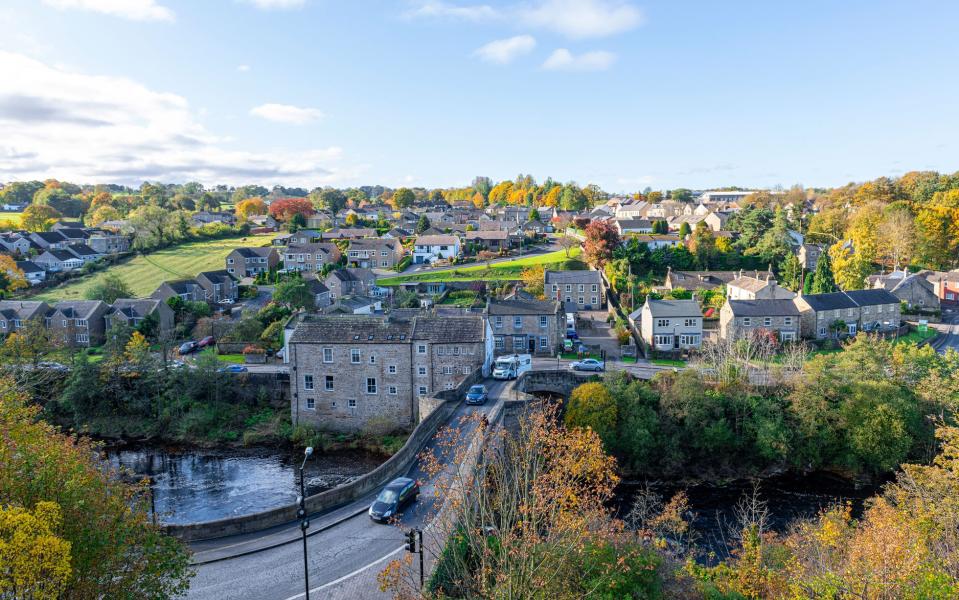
point(304, 522)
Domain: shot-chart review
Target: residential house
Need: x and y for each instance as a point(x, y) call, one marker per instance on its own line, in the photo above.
point(669, 325)
point(808, 255)
point(946, 286)
point(398, 233)
point(321, 293)
point(580, 289)
point(134, 311)
point(759, 287)
point(48, 240)
point(218, 286)
point(302, 236)
point(199, 219)
point(628, 226)
point(698, 280)
point(78, 322)
point(84, 252)
point(524, 326)
point(656, 241)
point(15, 313)
point(847, 313)
point(353, 282)
point(188, 290)
point(431, 248)
point(348, 233)
point(456, 347)
point(355, 305)
point(249, 262)
point(33, 272)
point(717, 220)
point(16, 243)
point(310, 258)
point(73, 235)
point(105, 241)
point(489, 240)
point(374, 253)
point(54, 260)
point(912, 288)
point(744, 318)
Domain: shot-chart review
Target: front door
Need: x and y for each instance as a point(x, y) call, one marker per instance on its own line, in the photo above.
point(532, 345)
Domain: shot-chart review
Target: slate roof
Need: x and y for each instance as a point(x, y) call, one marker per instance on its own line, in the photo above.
point(23, 309)
point(562, 277)
point(182, 286)
point(634, 223)
point(28, 266)
point(763, 308)
point(220, 276)
point(134, 307)
point(850, 299)
point(436, 240)
point(750, 284)
point(488, 234)
point(252, 252)
point(352, 329)
point(52, 237)
point(872, 297)
point(72, 233)
point(61, 255)
point(449, 330)
point(82, 250)
point(674, 308)
point(517, 306)
point(78, 309)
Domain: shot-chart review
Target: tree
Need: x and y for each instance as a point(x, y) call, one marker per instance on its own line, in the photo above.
point(703, 246)
point(567, 242)
point(36, 561)
point(533, 280)
point(102, 214)
point(791, 272)
point(403, 198)
point(295, 294)
point(684, 230)
point(38, 217)
point(11, 276)
point(601, 240)
point(284, 208)
point(332, 200)
point(108, 288)
point(849, 267)
point(152, 227)
point(591, 406)
point(823, 281)
point(482, 186)
point(422, 224)
point(897, 235)
point(682, 195)
point(250, 207)
point(572, 198)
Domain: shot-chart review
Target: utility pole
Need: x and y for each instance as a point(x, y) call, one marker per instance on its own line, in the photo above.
point(304, 522)
point(411, 536)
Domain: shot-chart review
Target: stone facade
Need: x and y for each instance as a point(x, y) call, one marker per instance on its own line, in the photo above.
point(743, 318)
point(526, 326)
point(858, 310)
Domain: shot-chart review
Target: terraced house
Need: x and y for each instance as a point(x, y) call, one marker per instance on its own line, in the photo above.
point(578, 290)
point(249, 262)
point(744, 318)
point(523, 326)
point(846, 313)
point(310, 257)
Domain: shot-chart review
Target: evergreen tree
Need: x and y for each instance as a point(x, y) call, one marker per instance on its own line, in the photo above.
point(791, 272)
point(823, 280)
point(422, 224)
point(684, 230)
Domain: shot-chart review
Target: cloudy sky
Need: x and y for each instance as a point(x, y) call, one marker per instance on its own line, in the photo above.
point(623, 93)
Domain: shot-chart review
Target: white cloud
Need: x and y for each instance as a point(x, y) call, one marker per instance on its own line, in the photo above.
point(563, 60)
point(504, 51)
point(243, 68)
point(137, 10)
point(286, 113)
point(441, 9)
point(276, 4)
point(56, 122)
point(580, 19)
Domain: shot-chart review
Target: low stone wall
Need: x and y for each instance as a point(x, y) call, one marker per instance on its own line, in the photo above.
point(556, 382)
point(395, 466)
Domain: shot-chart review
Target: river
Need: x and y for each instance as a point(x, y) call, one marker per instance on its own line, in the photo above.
point(202, 485)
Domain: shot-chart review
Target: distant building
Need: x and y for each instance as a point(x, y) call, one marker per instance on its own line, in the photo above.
point(430, 248)
point(912, 288)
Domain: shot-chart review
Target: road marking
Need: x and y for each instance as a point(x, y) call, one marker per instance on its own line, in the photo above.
point(349, 575)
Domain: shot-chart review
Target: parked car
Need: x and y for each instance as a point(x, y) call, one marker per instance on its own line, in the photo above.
point(188, 347)
point(233, 369)
point(477, 395)
point(226, 301)
point(397, 494)
point(571, 334)
point(588, 364)
point(207, 341)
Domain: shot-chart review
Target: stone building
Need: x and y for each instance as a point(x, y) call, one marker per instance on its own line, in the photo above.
point(742, 318)
point(525, 326)
point(840, 314)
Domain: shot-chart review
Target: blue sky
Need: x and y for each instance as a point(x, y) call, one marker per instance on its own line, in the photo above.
point(620, 93)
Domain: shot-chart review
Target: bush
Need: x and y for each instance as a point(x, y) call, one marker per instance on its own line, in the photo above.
point(592, 406)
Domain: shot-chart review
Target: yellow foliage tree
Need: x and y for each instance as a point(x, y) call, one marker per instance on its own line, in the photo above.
point(848, 267)
point(533, 280)
point(35, 562)
point(250, 208)
point(12, 274)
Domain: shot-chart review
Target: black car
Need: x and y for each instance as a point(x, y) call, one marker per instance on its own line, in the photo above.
point(400, 492)
point(188, 347)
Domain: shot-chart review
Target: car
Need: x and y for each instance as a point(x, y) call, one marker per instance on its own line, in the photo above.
point(233, 369)
point(226, 301)
point(397, 494)
point(188, 347)
point(477, 395)
point(571, 334)
point(207, 341)
point(587, 364)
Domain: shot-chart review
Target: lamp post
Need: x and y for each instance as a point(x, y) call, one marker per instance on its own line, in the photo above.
point(304, 522)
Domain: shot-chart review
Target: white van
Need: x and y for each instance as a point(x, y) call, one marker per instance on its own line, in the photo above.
point(511, 367)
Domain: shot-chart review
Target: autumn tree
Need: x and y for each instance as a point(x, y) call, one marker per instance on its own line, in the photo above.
point(36, 562)
point(109, 288)
point(897, 236)
point(567, 242)
point(403, 198)
point(332, 200)
point(601, 239)
point(592, 406)
point(703, 246)
point(534, 280)
point(12, 277)
point(39, 217)
point(284, 208)
point(250, 207)
point(102, 214)
point(848, 266)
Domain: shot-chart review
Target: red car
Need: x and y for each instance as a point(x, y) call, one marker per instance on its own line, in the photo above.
point(207, 341)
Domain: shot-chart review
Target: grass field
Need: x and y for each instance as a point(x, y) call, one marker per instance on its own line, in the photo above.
point(509, 269)
point(10, 219)
point(144, 273)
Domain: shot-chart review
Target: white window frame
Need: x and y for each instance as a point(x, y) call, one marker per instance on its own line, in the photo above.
point(328, 383)
point(311, 404)
point(308, 381)
point(355, 356)
point(327, 355)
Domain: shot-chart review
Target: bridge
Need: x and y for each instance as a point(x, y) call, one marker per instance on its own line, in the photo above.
point(560, 382)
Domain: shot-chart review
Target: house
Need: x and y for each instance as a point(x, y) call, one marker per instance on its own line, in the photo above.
point(188, 290)
point(946, 286)
point(669, 325)
point(266, 222)
point(745, 318)
point(912, 288)
point(523, 326)
point(311, 257)
point(321, 293)
point(351, 372)
point(73, 235)
point(430, 248)
point(302, 236)
point(698, 280)
point(847, 313)
point(15, 313)
point(625, 226)
point(374, 253)
point(33, 272)
point(105, 241)
point(134, 311)
point(348, 233)
point(722, 197)
point(657, 240)
point(16, 243)
point(398, 233)
point(352, 282)
point(490, 240)
point(582, 289)
point(218, 286)
point(78, 322)
point(84, 252)
point(717, 220)
point(48, 240)
point(58, 260)
point(355, 305)
point(760, 287)
point(808, 255)
point(249, 262)
point(204, 217)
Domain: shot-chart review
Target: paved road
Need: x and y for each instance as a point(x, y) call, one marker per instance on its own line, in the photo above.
point(950, 327)
point(354, 546)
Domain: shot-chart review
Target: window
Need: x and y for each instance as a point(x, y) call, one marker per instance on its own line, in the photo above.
point(466, 369)
point(229, 261)
point(498, 322)
point(422, 390)
point(311, 404)
point(83, 338)
point(307, 382)
point(544, 321)
point(456, 351)
point(351, 403)
point(447, 370)
point(355, 356)
point(662, 322)
point(327, 355)
point(17, 323)
point(569, 288)
point(421, 370)
point(594, 300)
point(767, 321)
point(421, 349)
point(372, 359)
point(850, 312)
point(879, 308)
point(384, 263)
point(822, 331)
point(391, 390)
point(581, 288)
point(329, 383)
point(500, 343)
point(664, 340)
point(371, 385)
point(391, 369)
point(689, 340)
point(3, 324)
point(555, 288)
point(787, 336)
point(594, 288)
point(517, 322)
point(689, 322)
point(787, 320)
point(747, 321)
point(64, 323)
point(543, 342)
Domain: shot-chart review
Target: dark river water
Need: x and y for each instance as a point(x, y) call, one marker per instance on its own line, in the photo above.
point(203, 485)
point(714, 518)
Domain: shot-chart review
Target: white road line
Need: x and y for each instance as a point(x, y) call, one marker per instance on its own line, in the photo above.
point(348, 575)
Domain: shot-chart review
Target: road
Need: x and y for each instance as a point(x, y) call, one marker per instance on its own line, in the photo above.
point(352, 547)
point(950, 339)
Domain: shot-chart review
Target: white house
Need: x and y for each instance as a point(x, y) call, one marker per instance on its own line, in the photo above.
point(669, 325)
point(430, 248)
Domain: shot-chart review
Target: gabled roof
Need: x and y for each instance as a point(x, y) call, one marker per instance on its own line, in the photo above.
point(60, 255)
point(437, 240)
point(673, 308)
point(255, 252)
point(850, 299)
point(352, 329)
point(449, 330)
point(763, 308)
point(23, 309)
point(517, 306)
point(488, 234)
point(134, 307)
point(52, 237)
point(79, 309)
point(582, 276)
point(28, 266)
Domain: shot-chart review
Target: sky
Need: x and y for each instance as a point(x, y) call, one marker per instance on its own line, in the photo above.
point(626, 94)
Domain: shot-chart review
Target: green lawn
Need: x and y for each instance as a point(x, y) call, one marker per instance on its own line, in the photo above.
point(145, 272)
point(667, 362)
point(11, 218)
point(509, 269)
point(914, 337)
